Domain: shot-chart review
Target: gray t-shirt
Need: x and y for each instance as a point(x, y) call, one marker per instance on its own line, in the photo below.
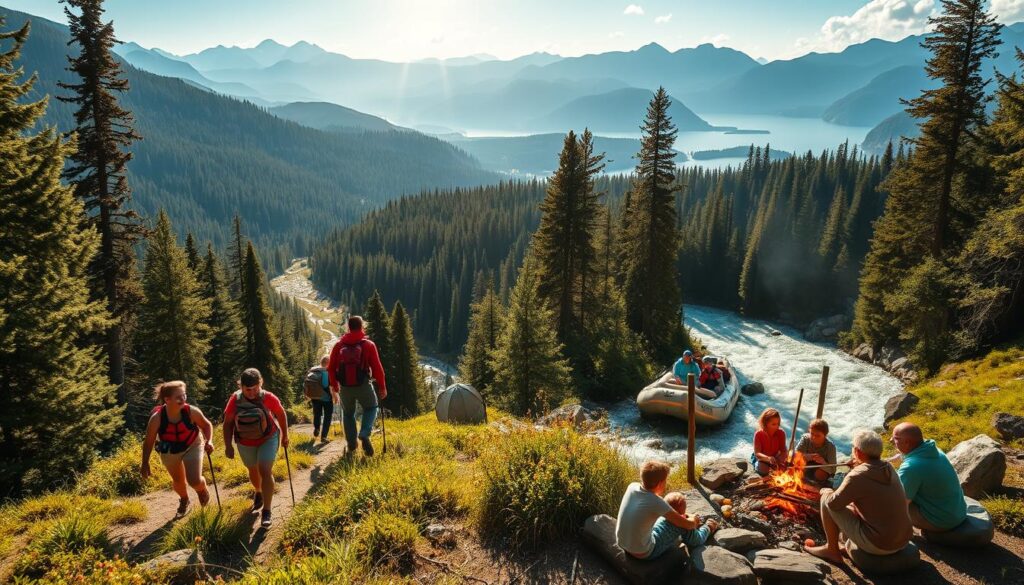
point(827, 451)
point(639, 510)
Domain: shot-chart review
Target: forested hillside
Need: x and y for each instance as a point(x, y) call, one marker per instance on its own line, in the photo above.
point(205, 157)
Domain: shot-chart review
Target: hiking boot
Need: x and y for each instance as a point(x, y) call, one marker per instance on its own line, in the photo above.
point(265, 520)
point(367, 446)
point(204, 498)
point(257, 502)
point(182, 506)
point(351, 447)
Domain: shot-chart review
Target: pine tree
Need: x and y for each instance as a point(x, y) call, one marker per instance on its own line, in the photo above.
point(173, 333)
point(378, 328)
point(192, 253)
point(227, 344)
point(262, 347)
point(406, 390)
point(236, 257)
point(530, 374)
point(650, 242)
point(98, 172)
point(485, 323)
point(53, 383)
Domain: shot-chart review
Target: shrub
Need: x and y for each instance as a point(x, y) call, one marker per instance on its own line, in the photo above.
point(337, 563)
point(69, 534)
point(540, 485)
point(210, 529)
point(89, 566)
point(118, 474)
point(1007, 514)
point(385, 541)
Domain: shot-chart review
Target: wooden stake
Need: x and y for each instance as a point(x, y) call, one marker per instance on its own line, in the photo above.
point(691, 420)
point(821, 392)
point(796, 419)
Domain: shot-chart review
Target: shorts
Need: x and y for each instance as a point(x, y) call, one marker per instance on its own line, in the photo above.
point(264, 453)
point(192, 458)
point(851, 525)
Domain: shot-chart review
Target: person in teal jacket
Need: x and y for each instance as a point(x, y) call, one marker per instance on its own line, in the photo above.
point(686, 365)
point(934, 496)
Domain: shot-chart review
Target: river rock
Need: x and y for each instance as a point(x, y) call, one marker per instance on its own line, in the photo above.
point(753, 522)
point(180, 566)
point(740, 540)
point(577, 415)
point(826, 328)
point(722, 471)
point(975, 531)
point(887, 355)
point(697, 503)
point(899, 406)
point(980, 463)
point(752, 389)
point(905, 560)
point(1009, 426)
point(776, 332)
point(783, 566)
point(864, 352)
point(599, 533)
point(713, 565)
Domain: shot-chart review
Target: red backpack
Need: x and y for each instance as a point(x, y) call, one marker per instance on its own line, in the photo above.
point(351, 365)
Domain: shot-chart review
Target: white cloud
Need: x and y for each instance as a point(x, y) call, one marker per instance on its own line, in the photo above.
point(1008, 10)
point(878, 19)
point(634, 10)
point(664, 18)
point(616, 35)
point(718, 40)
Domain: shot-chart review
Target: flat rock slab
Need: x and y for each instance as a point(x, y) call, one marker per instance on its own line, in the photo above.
point(740, 540)
point(696, 503)
point(713, 565)
point(901, 562)
point(179, 566)
point(599, 533)
point(722, 471)
point(977, 530)
point(781, 566)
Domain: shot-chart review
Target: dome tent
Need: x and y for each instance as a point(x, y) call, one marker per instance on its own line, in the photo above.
point(460, 403)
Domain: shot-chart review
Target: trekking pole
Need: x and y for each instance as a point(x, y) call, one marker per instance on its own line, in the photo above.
point(213, 477)
point(288, 466)
point(383, 432)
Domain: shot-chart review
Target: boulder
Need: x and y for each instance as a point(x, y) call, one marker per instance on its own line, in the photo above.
point(697, 503)
point(980, 464)
point(780, 566)
point(899, 406)
point(713, 565)
point(1009, 426)
point(977, 530)
point(887, 355)
point(826, 328)
point(722, 471)
point(577, 415)
point(900, 562)
point(752, 389)
point(599, 533)
point(440, 535)
point(180, 566)
point(864, 352)
point(740, 540)
point(776, 333)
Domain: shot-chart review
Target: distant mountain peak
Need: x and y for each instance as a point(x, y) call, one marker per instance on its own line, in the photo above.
point(270, 44)
point(652, 48)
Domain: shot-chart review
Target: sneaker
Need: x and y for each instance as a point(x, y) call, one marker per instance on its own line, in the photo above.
point(265, 520)
point(182, 506)
point(324, 440)
point(257, 502)
point(367, 447)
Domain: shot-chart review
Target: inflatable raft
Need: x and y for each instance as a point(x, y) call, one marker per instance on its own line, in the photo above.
point(666, 398)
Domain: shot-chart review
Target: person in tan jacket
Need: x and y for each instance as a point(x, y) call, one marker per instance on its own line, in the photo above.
point(869, 508)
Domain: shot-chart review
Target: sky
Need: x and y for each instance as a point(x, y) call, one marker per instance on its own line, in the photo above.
point(406, 30)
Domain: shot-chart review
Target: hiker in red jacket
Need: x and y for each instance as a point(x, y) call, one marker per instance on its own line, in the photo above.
point(354, 361)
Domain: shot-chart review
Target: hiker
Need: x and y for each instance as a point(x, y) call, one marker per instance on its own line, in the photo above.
point(317, 387)
point(935, 499)
point(354, 360)
point(769, 443)
point(637, 529)
point(869, 507)
point(184, 433)
point(686, 365)
point(817, 449)
point(255, 419)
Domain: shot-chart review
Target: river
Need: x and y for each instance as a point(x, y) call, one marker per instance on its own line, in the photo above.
point(784, 364)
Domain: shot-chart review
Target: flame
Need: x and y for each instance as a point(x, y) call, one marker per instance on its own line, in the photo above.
point(790, 480)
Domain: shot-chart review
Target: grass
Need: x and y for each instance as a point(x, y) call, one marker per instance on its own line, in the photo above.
point(72, 534)
point(959, 402)
point(210, 529)
point(1007, 514)
point(386, 542)
point(118, 474)
point(89, 566)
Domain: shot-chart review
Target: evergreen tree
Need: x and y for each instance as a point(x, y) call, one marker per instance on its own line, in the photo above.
point(650, 241)
point(53, 383)
point(236, 256)
point(262, 347)
point(485, 323)
point(530, 374)
point(174, 336)
point(195, 263)
point(227, 344)
point(406, 389)
point(98, 172)
point(377, 327)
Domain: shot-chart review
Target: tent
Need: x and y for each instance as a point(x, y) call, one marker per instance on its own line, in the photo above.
point(460, 403)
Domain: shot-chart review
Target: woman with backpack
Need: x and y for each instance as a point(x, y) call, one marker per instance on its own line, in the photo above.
point(183, 433)
point(317, 388)
point(255, 419)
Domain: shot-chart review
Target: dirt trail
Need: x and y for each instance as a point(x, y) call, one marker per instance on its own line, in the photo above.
point(142, 539)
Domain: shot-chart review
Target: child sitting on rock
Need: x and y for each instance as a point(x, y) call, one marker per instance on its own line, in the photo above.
point(817, 449)
point(692, 538)
point(648, 526)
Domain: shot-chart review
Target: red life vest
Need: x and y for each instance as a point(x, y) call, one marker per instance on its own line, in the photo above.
point(176, 437)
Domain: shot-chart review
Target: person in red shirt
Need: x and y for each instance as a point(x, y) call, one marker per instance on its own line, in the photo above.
point(255, 419)
point(353, 367)
point(769, 442)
